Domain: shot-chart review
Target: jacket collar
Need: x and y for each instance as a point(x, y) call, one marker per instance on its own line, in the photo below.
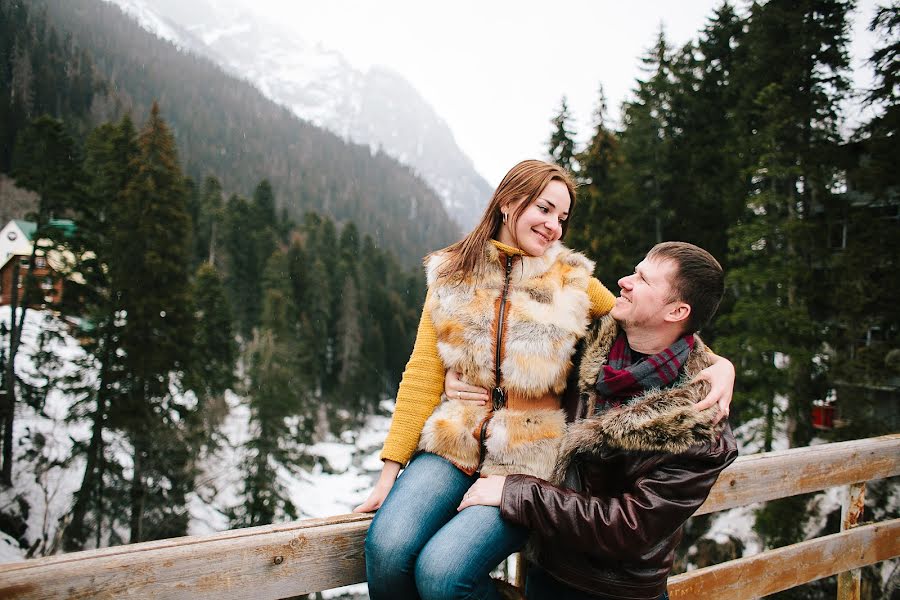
point(660, 420)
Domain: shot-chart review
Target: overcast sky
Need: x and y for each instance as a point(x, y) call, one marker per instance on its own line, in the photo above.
point(495, 70)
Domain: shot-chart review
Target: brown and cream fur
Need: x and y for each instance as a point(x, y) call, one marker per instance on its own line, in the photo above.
point(546, 314)
point(661, 420)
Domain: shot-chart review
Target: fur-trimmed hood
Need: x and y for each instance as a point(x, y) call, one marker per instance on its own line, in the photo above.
point(661, 420)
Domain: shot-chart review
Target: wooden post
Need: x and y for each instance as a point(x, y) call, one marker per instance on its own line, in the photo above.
point(851, 511)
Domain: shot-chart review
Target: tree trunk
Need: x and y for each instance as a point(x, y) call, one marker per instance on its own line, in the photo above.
point(76, 536)
point(9, 378)
point(212, 244)
point(92, 482)
point(137, 490)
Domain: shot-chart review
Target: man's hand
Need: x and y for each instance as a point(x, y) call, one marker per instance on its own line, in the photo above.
point(487, 491)
point(720, 376)
point(457, 389)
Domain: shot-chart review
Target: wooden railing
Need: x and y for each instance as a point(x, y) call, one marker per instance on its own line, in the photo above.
point(281, 561)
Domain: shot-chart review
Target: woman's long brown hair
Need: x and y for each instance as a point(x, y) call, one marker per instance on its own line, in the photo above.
point(525, 180)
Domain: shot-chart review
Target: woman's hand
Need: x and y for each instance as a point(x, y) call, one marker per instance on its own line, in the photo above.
point(487, 491)
point(720, 376)
point(385, 482)
point(457, 389)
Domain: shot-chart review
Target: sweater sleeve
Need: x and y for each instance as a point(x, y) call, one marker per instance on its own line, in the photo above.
point(419, 393)
point(602, 300)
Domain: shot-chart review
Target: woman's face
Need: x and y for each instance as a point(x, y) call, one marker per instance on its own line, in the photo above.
point(540, 224)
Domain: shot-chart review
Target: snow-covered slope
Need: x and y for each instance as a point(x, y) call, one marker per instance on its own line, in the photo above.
point(45, 479)
point(377, 107)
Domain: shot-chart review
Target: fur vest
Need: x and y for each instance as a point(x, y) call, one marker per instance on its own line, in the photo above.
point(660, 420)
point(546, 313)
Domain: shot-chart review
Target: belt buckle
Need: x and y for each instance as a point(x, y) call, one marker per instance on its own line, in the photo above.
point(498, 398)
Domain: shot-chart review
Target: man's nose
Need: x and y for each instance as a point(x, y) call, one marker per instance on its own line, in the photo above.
point(625, 282)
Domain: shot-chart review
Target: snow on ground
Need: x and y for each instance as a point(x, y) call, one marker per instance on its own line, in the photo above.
point(43, 440)
point(736, 523)
point(751, 435)
point(341, 477)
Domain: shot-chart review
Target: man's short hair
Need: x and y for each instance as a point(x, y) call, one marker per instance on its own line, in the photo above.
point(699, 280)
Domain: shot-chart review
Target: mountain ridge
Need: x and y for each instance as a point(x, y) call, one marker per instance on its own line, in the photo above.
point(376, 107)
point(225, 127)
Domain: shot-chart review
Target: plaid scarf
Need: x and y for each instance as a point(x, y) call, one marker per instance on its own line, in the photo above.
point(627, 374)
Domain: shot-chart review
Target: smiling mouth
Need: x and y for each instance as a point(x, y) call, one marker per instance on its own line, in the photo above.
point(546, 239)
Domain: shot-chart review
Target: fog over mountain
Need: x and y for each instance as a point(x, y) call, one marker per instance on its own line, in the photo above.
point(377, 107)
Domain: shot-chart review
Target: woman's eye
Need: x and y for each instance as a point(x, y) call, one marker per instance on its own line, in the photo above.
point(543, 209)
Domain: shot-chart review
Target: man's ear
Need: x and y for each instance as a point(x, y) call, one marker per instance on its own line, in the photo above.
point(678, 313)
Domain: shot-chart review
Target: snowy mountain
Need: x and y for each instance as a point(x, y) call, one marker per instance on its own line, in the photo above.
point(377, 108)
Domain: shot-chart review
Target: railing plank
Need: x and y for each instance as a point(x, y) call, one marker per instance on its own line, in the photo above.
point(260, 563)
point(771, 475)
point(320, 554)
point(784, 568)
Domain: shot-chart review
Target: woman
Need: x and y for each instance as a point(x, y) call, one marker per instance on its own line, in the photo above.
point(505, 308)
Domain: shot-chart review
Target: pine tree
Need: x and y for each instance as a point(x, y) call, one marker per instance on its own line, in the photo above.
point(794, 117)
point(243, 270)
point(316, 317)
point(598, 225)
point(150, 268)
point(562, 145)
point(265, 222)
point(707, 185)
point(277, 393)
point(46, 161)
point(349, 382)
point(208, 223)
point(646, 144)
point(776, 255)
point(110, 155)
point(864, 247)
point(212, 368)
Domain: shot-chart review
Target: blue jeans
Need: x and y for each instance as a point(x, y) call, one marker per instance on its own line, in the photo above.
point(541, 586)
point(419, 547)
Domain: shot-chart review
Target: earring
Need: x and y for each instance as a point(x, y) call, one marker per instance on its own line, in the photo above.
point(505, 216)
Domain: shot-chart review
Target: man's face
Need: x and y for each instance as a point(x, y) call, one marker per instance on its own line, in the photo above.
point(646, 297)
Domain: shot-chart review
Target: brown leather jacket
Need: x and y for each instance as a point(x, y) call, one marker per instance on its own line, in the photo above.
point(626, 482)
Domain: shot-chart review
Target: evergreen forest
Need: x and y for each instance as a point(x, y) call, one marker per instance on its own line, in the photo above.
point(739, 142)
point(224, 245)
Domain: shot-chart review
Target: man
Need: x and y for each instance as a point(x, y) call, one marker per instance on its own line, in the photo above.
point(639, 458)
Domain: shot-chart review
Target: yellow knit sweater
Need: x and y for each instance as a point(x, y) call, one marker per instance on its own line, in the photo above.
point(423, 379)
